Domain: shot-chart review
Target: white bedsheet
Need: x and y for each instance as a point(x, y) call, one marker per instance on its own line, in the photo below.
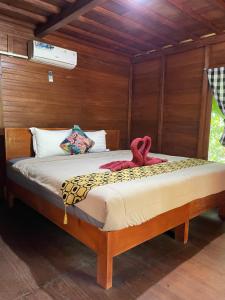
point(128, 203)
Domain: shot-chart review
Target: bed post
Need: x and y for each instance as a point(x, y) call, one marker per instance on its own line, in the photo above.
point(105, 261)
point(181, 232)
point(221, 212)
point(10, 198)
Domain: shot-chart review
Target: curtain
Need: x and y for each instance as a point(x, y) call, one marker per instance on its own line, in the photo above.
point(216, 79)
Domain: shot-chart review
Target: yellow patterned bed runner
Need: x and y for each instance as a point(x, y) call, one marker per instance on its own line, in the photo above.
point(76, 189)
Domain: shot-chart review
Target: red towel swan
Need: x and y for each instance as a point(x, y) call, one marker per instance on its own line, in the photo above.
point(140, 148)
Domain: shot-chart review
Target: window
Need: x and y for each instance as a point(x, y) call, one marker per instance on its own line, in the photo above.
point(216, 150)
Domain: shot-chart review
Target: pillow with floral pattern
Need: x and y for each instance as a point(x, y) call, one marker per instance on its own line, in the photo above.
point(77, 143)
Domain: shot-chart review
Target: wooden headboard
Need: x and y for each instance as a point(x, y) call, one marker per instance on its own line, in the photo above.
point(18, 141)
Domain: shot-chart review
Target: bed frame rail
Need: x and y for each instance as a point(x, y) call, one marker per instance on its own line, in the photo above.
point(110, 244)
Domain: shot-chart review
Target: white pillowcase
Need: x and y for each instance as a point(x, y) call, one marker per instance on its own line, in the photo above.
point(99, 137)
point(47, 142)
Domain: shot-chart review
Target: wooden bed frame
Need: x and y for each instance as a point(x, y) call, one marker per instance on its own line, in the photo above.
point(105, 244)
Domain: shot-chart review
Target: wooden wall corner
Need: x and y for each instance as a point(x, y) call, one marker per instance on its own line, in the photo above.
point(204, 108)
point(130, 102)
point(161, 103)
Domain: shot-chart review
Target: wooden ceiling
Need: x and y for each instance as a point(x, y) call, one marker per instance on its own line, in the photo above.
point(130, 27)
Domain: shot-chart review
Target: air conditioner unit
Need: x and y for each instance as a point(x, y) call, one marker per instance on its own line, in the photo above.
point(52, 55)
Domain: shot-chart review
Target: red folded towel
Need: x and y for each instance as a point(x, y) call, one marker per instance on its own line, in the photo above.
point(137, 147)
point(150, 160)
point(140, 148)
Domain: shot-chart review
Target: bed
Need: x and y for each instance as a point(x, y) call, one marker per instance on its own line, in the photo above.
point(110, 220)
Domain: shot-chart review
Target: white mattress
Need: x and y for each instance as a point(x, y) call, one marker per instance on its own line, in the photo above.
point(124, 204)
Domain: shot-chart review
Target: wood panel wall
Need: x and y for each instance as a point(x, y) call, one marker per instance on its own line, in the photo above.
point(182, 102)
point(175, 111)
point(146, 93)
point(170, 100)
point(94, 95)
point(13, 37)
point(11, 41)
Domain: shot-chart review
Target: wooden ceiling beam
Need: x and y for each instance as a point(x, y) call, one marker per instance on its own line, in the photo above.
point(97, 37)
point(128, 22)
point(139, 41)
point(22, 12)
point(220, 38)
point(17, 22)
point(45, 6)
point(189, 11)
point(67, 15)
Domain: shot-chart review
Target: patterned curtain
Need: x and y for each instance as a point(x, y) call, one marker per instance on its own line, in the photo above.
point(216, 78)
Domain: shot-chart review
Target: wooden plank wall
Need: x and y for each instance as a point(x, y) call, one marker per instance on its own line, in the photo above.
point(94, 95)
point(13, 37)
point(183, 87)
point(175, 111)
point(146, 93)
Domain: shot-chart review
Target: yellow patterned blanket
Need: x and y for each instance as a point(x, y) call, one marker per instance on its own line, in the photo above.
point(76, 189)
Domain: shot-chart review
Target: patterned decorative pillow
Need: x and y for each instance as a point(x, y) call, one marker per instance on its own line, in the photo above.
point(77, 143)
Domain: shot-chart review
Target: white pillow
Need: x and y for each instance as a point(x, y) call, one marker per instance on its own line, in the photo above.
point(47, 142)
point(99, 137)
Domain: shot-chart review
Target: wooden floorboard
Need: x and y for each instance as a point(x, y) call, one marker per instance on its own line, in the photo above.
point(40, 261)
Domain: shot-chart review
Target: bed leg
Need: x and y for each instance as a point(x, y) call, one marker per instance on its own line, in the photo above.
point(10, 198)
point(105, 262)
point(181, 232)
point(221, 212)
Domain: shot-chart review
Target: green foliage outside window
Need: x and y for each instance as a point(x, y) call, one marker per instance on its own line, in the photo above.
point(216, 150)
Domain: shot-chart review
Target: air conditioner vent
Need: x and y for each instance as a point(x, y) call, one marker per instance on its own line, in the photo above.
point(52, 55)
